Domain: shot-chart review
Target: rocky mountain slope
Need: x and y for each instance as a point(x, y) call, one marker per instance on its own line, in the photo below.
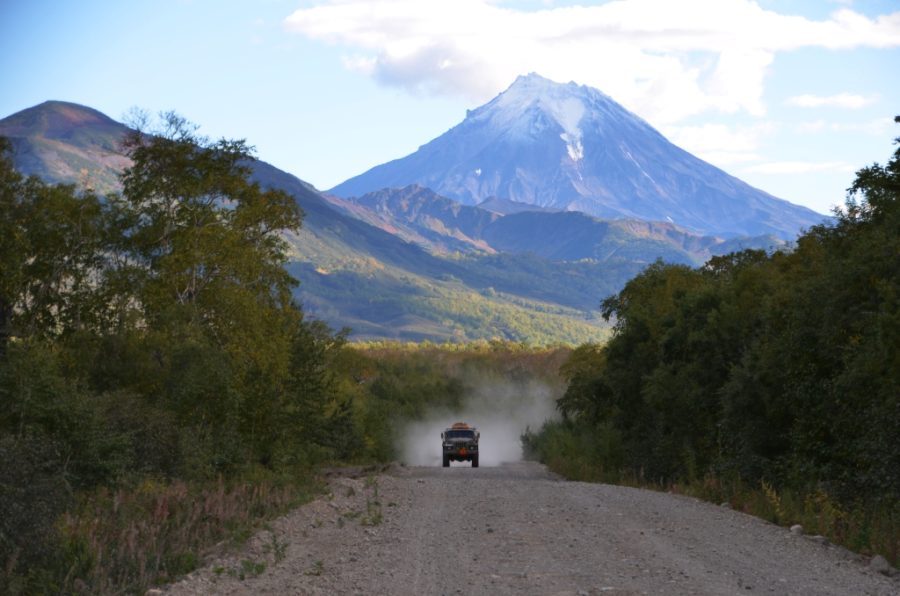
point(65, 142)
point(420, 215)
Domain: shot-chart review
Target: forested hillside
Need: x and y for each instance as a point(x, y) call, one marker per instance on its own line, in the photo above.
point(779, 371)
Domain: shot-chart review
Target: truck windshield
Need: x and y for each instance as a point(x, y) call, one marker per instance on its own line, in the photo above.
point(460, 434)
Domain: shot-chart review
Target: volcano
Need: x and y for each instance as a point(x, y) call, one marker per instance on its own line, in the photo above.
point(570, 147)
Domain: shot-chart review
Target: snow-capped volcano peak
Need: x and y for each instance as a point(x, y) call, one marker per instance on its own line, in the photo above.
point(564, 104)
point(567, 102)
point(571, 147)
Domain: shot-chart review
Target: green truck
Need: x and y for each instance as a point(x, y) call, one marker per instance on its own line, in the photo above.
point(460, 443)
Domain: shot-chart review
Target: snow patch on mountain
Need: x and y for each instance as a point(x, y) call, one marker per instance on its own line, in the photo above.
point(573, 147)
point(562, 103)
point(631, 158)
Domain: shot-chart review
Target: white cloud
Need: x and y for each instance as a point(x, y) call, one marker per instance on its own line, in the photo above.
point(876, 127)
point(665, 60)
point(714, 137)
point(720, 144)
point(800, 167)
point(812, 126)
point(841, 100)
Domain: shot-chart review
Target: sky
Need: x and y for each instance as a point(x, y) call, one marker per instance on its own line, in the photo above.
point(791, 96)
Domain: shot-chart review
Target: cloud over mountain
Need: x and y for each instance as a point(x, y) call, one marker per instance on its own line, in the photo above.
point(664, 60)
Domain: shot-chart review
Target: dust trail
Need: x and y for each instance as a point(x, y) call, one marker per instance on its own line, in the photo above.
point(501, 410)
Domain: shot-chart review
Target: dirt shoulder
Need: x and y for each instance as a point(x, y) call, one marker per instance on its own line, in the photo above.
point(516, 529)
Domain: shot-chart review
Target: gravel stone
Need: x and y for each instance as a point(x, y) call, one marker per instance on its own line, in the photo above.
point(881, 565)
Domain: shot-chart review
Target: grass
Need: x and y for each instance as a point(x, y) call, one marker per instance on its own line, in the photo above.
point(317, 569)
point(131, 539)
point(373, 516)
point(865, 528)
point(277, 548)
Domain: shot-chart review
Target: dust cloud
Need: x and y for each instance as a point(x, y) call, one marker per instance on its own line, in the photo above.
point(500, 410)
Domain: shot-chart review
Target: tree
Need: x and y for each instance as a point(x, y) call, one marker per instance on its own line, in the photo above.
point(197, 229)
point(203, 262)
point(11, 241)
point(52, 241)
point(202, 244)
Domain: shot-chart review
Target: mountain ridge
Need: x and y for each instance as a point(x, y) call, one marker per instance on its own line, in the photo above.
point(439, 224)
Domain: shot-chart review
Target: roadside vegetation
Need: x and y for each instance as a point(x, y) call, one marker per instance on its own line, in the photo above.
point(771, 381)
point(160, 392)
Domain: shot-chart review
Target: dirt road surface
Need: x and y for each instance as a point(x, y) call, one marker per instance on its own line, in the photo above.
point(516, 529)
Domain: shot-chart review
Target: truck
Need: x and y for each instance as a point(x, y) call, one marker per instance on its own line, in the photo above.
point(460, 443)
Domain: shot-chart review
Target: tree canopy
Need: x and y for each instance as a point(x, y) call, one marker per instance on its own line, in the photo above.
point(781, 367)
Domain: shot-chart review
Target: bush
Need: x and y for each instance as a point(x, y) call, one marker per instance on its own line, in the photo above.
point(33, 494)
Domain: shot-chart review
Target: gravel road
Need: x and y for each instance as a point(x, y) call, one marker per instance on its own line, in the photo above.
point(516, 529)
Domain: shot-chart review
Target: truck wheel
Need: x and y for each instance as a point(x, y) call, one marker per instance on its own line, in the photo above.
point(475, 462)
point(446, 461)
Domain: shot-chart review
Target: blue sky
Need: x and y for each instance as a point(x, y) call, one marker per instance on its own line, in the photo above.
point(791, 96)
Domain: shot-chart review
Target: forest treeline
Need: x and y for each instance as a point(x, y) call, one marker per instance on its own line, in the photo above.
point(777, 370)
point(160, 392)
